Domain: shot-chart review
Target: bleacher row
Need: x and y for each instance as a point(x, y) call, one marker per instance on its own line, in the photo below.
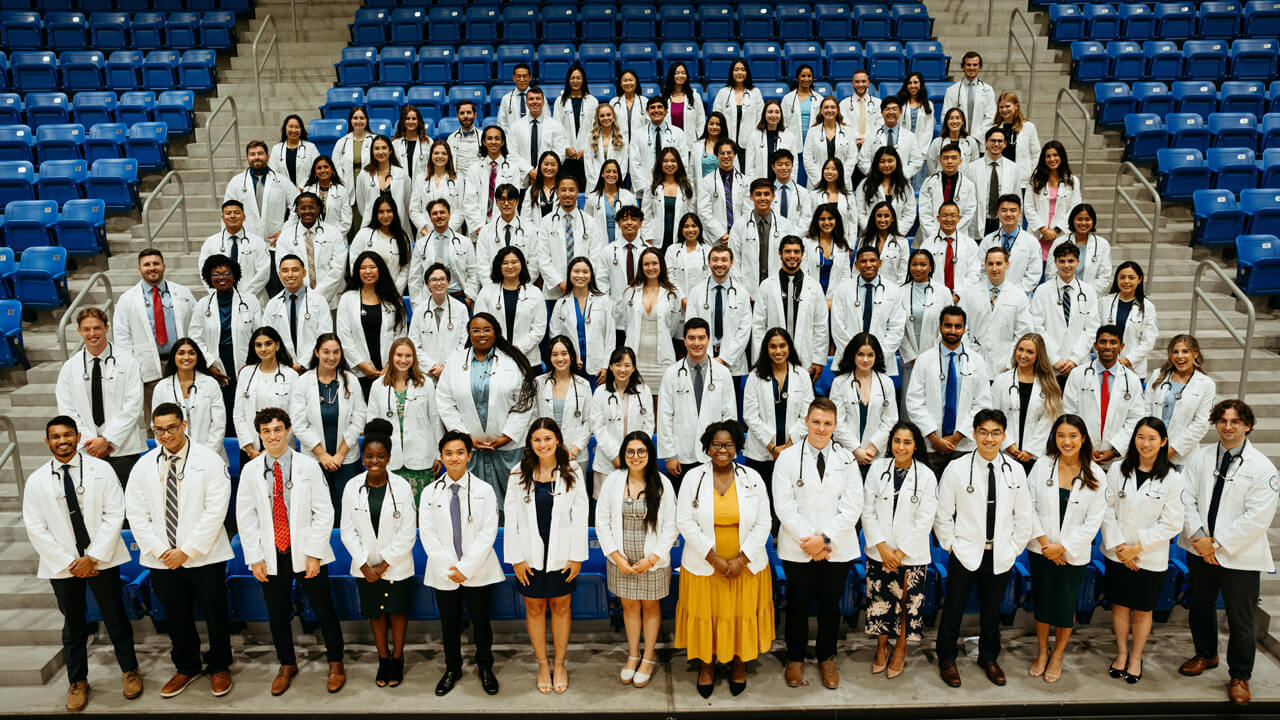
point(1217, 19)
point(1094, 61)
point(236, 6)
point(58, 31)
point(79, 70)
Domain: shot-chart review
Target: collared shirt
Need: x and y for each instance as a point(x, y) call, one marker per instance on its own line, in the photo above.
point(949, 186)
point(177, 461)
point(286, 469)
point(1110, 378)
point(166, 302)
point(945, 369)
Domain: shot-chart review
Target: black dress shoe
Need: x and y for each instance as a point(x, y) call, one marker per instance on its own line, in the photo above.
point(489, 681)
point(1113, 671)
point(705, 690)
point(736, 688)
point(447, 681)
point(1131, 678)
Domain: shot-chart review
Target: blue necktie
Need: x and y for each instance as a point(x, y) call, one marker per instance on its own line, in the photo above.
point(1007, 240)
point(1066, 304)
point(455, 518)
point(728, 199)
point(952, 396)
point(568, 236)
point(868, 300)
point(784, 202)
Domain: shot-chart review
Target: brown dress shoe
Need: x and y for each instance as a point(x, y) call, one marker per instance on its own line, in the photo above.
point(1197, 665)
point(132, 685)
point(994, 673)
point(176, 684)
point(337, 677)
point(794, 674)
point(284, 677)
point(830, 676)
point(950, 675)
point(78, 696)
point(1238, 691)
point(221, 683)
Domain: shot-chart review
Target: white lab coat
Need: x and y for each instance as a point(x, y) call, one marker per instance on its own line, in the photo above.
point(329, 244)
point(1035, 431)
point(577, 138)
point(1150, 517)
point(307, 152)
point(493, 237)
point(968, 262)
point(1066, 341)
point(597, 203)
point(936, 297)
point(304, 410)
point(657, 541)
point(904, 206)
point(479, 561)
point(711, 203)
point(895, 251)
point(1245, 510)
point(960, 521)
point(396, 536)
point(1036, 207)
point(351, 332)
point(687, 269)
point(204, 491)
point(737, 321)
point(1140, 330)
point(573, 424)
point(964, 195)
point(509, 110)
point(681, 421)
point(609, 425)
point(695, 518)
point(421, 155)
point(466, 148)
point(344, 158)
point(1027, 147)
point(313, 321)
point(369, 239)
point(629, 313)
point(799, 203)
point(121, 399)
point(309, 508)
point(882, 412)
point(844, 208)
point(755, 144)
point(1095, 261)
point(979, 171)
point(429, 188)
point(205, 411)
point(695, 115)
point(807, 503)
point(632, 128)
point(644, 157)
point(599, 323)
point(910, 157)
point(984, 103)
point(995, 329)
point(752, 106)
point(368, 189)
point(416, 446)
point(551, 137)
point(1190, 420)
point(49, 530)
point(1082, 396)
point(206, 327)
point(907, 526)
point(923, 130)
point(887, 320)
point(1025, 266)
point(744, 240)
point(815, 151)
point(810, 336)
point(251, 254)
point(925, 395)
point(512, 170)
point(335, 208)
point(759, 411)
point(971, 148)
point(132, 326)
point(1085, 509)
point(653, 228)
point(435, 345)
point(256, 391)
point(458, 410)
point(531, 318)
point(849, 111)
point(593, 160)
point(465, 271)
point(554, 254)
point(521, 542)
point(277, 200)
point(792, 117)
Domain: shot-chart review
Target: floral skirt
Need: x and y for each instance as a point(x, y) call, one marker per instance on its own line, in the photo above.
point(889, 594)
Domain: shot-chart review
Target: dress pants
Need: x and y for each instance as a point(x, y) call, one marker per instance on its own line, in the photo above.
point(450, 603)
point(278, 593)
point(70, 593)
point(1239, 596)
point(123, 465)
point(178, 591)
point(824, 581)
point(991, 589)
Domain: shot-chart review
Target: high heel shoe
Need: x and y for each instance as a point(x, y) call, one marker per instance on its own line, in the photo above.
point(395, 671)
point(736, 687)
point(1115, 672)
point(1131, 678)
point(627, 675)
point(705, 690)
point(381, 678)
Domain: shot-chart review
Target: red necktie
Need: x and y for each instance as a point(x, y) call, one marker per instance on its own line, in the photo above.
point(631, 264)
point(162, 333)
point(949, 265)
point(1106, 400)
point(278, 514)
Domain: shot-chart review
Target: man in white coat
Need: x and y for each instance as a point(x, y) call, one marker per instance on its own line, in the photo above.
point(451, 249)
point(505, 228)
point(722, 196)
point(102, 391)
point(237, 243)
point(999, 313)
point(726, 309)
point(176, 502)
point(1064, 311)
point(321, 246)
point(285, 518)
point(974, 97)
point(956, 261)
point(867, 305)
point(695, 393)
point(1230, 500)
point(659, 134)
point(819, 537)
point(756, 237)
point(948, 185)
point(861, 113)
point(790, 300)
point(564, 235)
point(150, 317)
point(984, 520)
point(890, 134)
point(266, 195)
point(948, 385)
point(618, 262)
point(75, 529)
point(792, 202)
point(1107, 395)
point(1025, 266)
point(299, 314)
point(994, 176)
point(514, 104)
point(464, 143)
point(536, 133)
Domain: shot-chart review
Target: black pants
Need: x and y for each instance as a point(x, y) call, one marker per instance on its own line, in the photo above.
point(1239, 596)
point(991, 588)
point(685, 469)
point(123, 465)
point(450, 602)
point(278, 593)
point(178, 591)
point(825, 581)
point(75, 628)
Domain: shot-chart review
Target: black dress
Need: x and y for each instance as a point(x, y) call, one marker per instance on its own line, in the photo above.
point(1135, 589)
point(543, 584)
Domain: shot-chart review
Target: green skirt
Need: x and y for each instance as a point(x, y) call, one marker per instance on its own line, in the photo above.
point(384, 596)
point(417, 479)
point(1055, 590)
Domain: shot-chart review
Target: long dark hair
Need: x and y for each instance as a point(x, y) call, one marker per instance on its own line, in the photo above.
point(837, 233)
point(528, 391)
point(313, 180)
point(1139, 293)
point(529, 460)
point(495, 269)
point(933, 266)
point(920, 454)
point(848, 356)
point(568, 347)
point(385, 287)
point(697, 222)
point(871, 234)
point(652, 480)
point(663, 280)
point(599, 188)
point(669, 85)
point(763, 125)
point(404, 245)
point(343, 368)
point(283, 359)
point(747, 84)
point(371, 167)
point(1040, 176)
point(1161, 467)
point(202, 365)
point(634, 382)
point(724, 127)
point(904, 95)
point(284, 137)
point(898, 183)
point(681, 177)
point(404, 113)
point(586, 90)
point(821, 184)
point(764, 364)
point(592, 288)
point(1086, 447)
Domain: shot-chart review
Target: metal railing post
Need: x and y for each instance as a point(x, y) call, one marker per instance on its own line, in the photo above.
point(233, 127)
point(1014, 40)
point(1152, 225)
point(10, 452)
point(293, 10)
point(179, 203)
point(80, 301)
point(1246, 343)
point(258, 67)
point(1081, 136)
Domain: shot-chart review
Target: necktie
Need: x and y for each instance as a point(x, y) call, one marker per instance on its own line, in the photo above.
point(279, 516)
point(631, 262)
point(785, 211)
point(440, 258)
point(728, 200)
point(1066, 304)
point(533, 143)
point(235, 248)
point(889, 132)
point(991, 501)
point(762, 245)
point(868, 300)
point(657, 141)
point(949, 265)
point(507, 232)
point(568, 236)
point(455, 518)
point(822, 466)
point(792, 306)
point(968, 114)
point(697, 386)
point(157, 310)
point(171, 502)
point(949, 187)
point(493, 181)
point(95, 394)
point(311, 260)
point(719, 314)
point(995, 294)
point(1006, 240)
point(73, 510)
point(993, 190)
point(1219, 482)
point(438, 312)
point(952, 399)
point(862, 117)
point(1106, 400)
point(293, 321)
point(523, 109)
point(258, 184)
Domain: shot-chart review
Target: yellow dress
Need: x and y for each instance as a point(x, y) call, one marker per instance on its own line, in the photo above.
point(716, 618)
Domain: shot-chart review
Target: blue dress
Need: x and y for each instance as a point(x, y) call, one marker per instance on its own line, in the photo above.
point(544, 584)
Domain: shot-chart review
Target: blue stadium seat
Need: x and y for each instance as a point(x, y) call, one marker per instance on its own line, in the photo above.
point(245, 600)
point(911, 21)
point(756, 21)
point(83, 70)
point(599, 23)
point(1261, 18)
point(430, 100)
point(684, 52)
point(444, 25)
point(1164, 60)
point(198, 70)
point(1261, 207)
point(437, 63)
point(41, 278)
point(519, 24)
point(639, 57)
point(1137, 22)
point(1258, 264)
point(325, 133)
point(62, 180)
point(872, 22)
point(339, 101)
point(17, 143)
point(832, 20)
point(1175, 21)
point(1204, 60)
point(677, 23)
point(66, 30)
point(46, 108)
point(1112, 101)
point(136, 106)
point(447, 126)
point(560, 23)
point(1089, 61)
point(148, 31)
point(357, 65)
point(508, 55)
point(1195, 96)
point(1246, 96)
point(794, 21)
point(396, 64)
point(115, 182)
point(370, 26)
point(1232, 168)
point(17, 181)
point(843, 58)
point(1219, 19)
point(716, 23)
point(764, 59)
point(718, 57)
point(927, 58)
point(147, 143)
point(1187, 131)
point(106, 140)
point(30, 223)
point(802, 52)
point(554, 61)
point(1102, 21)
point(599, 61)
point(81, 228)
point(60, 142)
point(217, 30)
point(458, 93)
point(12, 111)
point(383, 102)
point(1254, 59)
point(1233, 130)
point(12, 351)
point(22, 30)
point(886, 62)
point(1218, 217)
point(34, 71)
point(773, 90)
point(124, 70)
point(181, 31)
point(1269, 132)
point(1180, 172)
point(1127, 62)
point(1153, 98)
point(175, 108)
point(4, 71)
point(407, 25)
point(160, 70)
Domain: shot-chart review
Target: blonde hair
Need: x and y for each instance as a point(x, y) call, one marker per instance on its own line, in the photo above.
point(416, 375)
point(1045, 376)
point(1018, 118)
point(817, 117)
point(1166, 370)
point(617, 141)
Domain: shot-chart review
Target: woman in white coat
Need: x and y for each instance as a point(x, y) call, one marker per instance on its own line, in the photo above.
point(496, 163)
point(517, 305)
point(883, 231)
point(410, 143)
point(917, 116)
point(800, 106)
point(606, 140)
point(896, 526)
point(651, 314)
point(223, 320)
point(335, 198)
point(687, 258)
point(379, 524)
point(668, 200)
point(585, 316)
point(575, 110)
point(955, 129)
point(436, 339)
point(740, 102)
point(1182, 395)
point(1052, 195)
point(565, 396)
point(831, 187)
point(606, 198)
point(370, 316)
point(385, 236)
point(384, 176)
point(620, 405)
point(774, 402)
point(630, 107)
point(265, 381)
point(636, 527)
point(1030, 397)
point(1023, 146)
point(1128, 308)
point(188, 384)
point(437, 180)
point(886, 183)
point(770, 134)
point(351, 152)
point(920, 299)
point(865, 398)
point(1144, 512)
point(405, 397)
point(328, 410)
point(1095, 251)
point(545, 541)
point(685, 107)
point(1069, 496)
point(294, 155)
point(829, 139)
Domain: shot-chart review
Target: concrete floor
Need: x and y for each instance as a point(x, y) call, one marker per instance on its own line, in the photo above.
point(595, 659)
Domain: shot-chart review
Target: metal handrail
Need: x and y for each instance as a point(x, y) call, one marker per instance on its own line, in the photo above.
point(69, 316)
point(991, 7)
point(1246, 343)
point(1081, 136)
point(293, 11)
point(10, 452)
point(258, 67)
point(1151, 225)
point(179, 202)
point(234, 126)
point(1029, 59)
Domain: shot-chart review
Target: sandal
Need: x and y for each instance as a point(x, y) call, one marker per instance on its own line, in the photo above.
point(381, 679)
point(1052, 676)
point(395, 671)
point(643, 678)
point(1034, 671)
point(560, 687)
point(544, 687)
point(628, 674)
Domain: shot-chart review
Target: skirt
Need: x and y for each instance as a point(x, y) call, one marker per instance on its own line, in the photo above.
point(1055, 590)
point(718, 619)
point(653, 585)
point(417, 479)
point(545, 585)
point(384, 596)
point(1135, 589)
point(886, 595)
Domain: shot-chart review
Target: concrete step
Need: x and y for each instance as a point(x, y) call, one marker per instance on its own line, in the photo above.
point(30, 626)
point(23, 591)
point(30, 665)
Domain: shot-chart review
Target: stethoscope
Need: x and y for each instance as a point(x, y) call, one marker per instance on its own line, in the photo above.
point(1092, 243)
point(1052, 478)
point(268, 474)
point(431, 185)
point(622, 247)
point(1015, 401)
point(439, 485)
point(877, 293)
point(631, 296)
point(684, 368)
point(884, 391)
point(374, 232)
point(246, 182)
point(615, 407)
point(395, 506)
point(346, 389)
point(555, 488)
point(1166, 385)
point(242, 307)
point(279, 378)
point(306, 306)
point(1060, 286)
point(182, 472)
point(491, 355)
point(186, 402)
point(730, 292)
point(57, 476)
point(301, 150)
point(448, 307)
point(698, 491)
point(1090, 386)
point(582, 223)
point(886, 482)
point(335, 192)
point(926, 302)
point(391, 406)
point(834, 444)
point(222, 241)
point(548, 386)
point(1124, 483)
point(520, 297)
point(1115, 303)
point(571, 300)
point(1233, 466)
point(962, 363)
point(517, 228)
point(1005, 469)
point(84, 362)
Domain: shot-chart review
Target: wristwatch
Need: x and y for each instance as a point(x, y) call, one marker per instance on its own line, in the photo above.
point(826, 540)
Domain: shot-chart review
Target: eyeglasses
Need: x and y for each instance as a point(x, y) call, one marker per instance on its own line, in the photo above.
point(220, 275)
point(723, 446)
point(988, 433)
point(166, 431)
point(637, 452)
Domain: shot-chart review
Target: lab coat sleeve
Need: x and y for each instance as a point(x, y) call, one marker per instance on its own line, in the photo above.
point(124, 419)
point(607, 439)
point(667, 531)
point(606, 534)
point(895, 326)
point(821, 339)
point(417, 266)
point(1169, 523)
point(217, 430)
point(927, 210)
point(537, 325)
point(309, 436)
point(917, 410)
point(447, 406)
point(1038, 317)
point(1185, 442)
point(579, 548)
point(784, 499)
point(840, 394)
point(667, 421)
point(147, 533)
point(1079, 538)
point(844, 526)
point(733, 345)
point(888, 418)
point(981, 398)
point(330, 281)
point(108, 531)
point(1084, 343)
point(429, 534)
point(582, 435)
point(944, 519)
point(121, 328)
point(347, 529)
point(65, 395)
point(401, 545)
point(245, 434)
point(474, 555)
point(1036, 220)
point(751, 412)
point(418, 205)
point(753, 544)
point(320, 529)
point(928, 507)
point(38, 533)
point(1199, 465)
point(1147, 340)
point(350, 333)
point(359, 410)
point(248, 527)
point(512, 547)
point(803, 397)
point(873, 532)
point(759, 314)
point(517, 423)
point(217, 494)
point(1133, 413)
point(1023, 513)
point(1259, 509)
point(696, 542)
point(1112, 533)
point(713, 227)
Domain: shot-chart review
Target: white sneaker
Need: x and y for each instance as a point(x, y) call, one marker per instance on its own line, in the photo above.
point(626, 676)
